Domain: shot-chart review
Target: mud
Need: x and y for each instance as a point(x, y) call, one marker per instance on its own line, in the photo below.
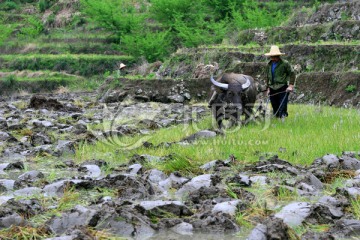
point(148, 203)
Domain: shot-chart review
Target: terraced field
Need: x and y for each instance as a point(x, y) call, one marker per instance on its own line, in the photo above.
point(322, 46)
point(141, 158)
point(77, 58)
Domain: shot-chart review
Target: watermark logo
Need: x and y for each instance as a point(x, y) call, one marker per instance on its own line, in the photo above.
point(120, 125)
point(110, 133)
point(232, 117)
point(234, 142)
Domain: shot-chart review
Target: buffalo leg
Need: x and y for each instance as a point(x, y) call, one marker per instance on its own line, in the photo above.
point(218, 116)
point(219, 123)
point(248, 114)
point(213, 98)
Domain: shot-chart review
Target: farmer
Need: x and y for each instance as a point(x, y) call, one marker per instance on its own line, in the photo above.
point(121, 70)
point(280, 78)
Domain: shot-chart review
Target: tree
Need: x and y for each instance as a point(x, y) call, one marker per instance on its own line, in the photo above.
point(153, 45)
point(118, 16)
point(192, 23)
point(255, 15)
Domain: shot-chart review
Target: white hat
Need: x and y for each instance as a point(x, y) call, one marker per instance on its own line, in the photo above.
point(122, 65)
point(274, 51)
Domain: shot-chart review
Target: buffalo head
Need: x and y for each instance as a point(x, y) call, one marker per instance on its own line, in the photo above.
point(231, 92)
point(229, 101)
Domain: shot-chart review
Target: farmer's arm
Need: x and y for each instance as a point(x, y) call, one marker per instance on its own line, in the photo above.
point(292, 76)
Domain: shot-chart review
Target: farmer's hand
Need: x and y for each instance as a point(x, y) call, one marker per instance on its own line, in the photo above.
point(268, 92)
point(290, 88)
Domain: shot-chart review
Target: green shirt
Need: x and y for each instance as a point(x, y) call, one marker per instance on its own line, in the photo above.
point(121, 72)
point(283, 75)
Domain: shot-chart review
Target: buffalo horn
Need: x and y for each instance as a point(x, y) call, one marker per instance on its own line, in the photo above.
point(246, 85)
point(220, 85)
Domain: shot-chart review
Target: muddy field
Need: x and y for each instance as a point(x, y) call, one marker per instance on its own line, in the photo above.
point(39, 173)
point(47, 191)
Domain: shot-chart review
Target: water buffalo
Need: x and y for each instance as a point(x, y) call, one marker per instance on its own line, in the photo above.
point(234, 95)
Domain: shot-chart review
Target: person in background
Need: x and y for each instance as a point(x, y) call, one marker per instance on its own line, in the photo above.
point(280, 79)
point(121, 70)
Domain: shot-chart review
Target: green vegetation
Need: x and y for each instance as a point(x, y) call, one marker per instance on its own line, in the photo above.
point(118, 16)
point(10, 81)
point(35, 81)
point(44, 5)
point(243, 221)
point(9, 5)
point(301, 229)
point(81, 64)
point(355, 208)
point(307, 134)
point(33, 28)
point(253, 15)
point(350, 88)
point(180, 23)
point(282, 193)
point(153, 45)
point(26, 232)
point(260, 208)
point(5, 31)
point(155, 29)
point(93, 36)
point(69, 200)
point(178, 163)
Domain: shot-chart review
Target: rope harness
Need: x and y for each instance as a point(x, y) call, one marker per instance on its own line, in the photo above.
point(267, 103)
point(282, 101)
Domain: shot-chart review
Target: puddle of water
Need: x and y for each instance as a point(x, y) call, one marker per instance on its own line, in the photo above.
point(166, 235)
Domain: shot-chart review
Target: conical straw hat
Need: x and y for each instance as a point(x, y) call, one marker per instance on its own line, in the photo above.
point(122, 65)
point(274, 51)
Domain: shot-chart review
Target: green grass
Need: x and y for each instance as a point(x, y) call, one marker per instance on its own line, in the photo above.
point(45, 80)
point(80, 64)
point(90, 32)
point(66, 56)
point(47, 83)
point(81, 46)
point(255, 48)
point(301, 229)
point(323, 53)
point(355, 208)
point(42, 76)
point(308, 133)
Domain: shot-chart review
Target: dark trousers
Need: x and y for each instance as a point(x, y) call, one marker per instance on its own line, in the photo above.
point(279, 101)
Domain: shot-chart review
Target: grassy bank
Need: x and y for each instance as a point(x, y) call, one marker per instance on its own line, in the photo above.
point(81, 64)
point(308, 133)
point(45, 81)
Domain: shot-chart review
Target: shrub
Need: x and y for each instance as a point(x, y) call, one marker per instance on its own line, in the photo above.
point(350, 88)
point(10, 81)
point(118, 16)
point(43, 5)
point(78, 20)
point(27, 1)
point(223, 8)
point(166, 11)
point(6, 30)
point(252, 15)
point(199, 31)
point(10, 5)
point(85, 65)
point(33, 29)
point(51, 20)
point(151, 45)
point(189, 21)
